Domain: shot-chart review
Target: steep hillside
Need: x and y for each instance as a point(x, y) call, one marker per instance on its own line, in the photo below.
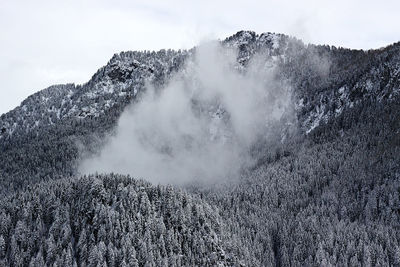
point(332, 200)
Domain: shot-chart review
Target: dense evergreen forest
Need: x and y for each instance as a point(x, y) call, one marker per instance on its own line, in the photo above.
point(324, 192)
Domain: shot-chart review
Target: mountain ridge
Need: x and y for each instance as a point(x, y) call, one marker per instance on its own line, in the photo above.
point(124, 63)
point(121, 66)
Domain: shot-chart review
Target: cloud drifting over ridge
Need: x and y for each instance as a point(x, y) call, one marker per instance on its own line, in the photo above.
point(201, 126)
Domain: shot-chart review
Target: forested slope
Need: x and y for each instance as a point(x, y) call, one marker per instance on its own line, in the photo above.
point(111, 220)
point(332, 200)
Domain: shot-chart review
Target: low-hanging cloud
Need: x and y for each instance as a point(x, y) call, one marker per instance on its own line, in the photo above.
point(202, 125)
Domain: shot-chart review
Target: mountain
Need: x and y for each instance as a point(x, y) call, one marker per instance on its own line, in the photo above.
point(324, 192)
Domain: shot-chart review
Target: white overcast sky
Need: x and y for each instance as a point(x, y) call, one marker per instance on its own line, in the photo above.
point(45, 42)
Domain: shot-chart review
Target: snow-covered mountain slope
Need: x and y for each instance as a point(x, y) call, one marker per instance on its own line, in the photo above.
point(119, 81)
point(380, 80)
point(326, 80)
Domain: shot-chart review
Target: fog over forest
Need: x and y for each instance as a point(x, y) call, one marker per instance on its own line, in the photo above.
point(202, 125)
